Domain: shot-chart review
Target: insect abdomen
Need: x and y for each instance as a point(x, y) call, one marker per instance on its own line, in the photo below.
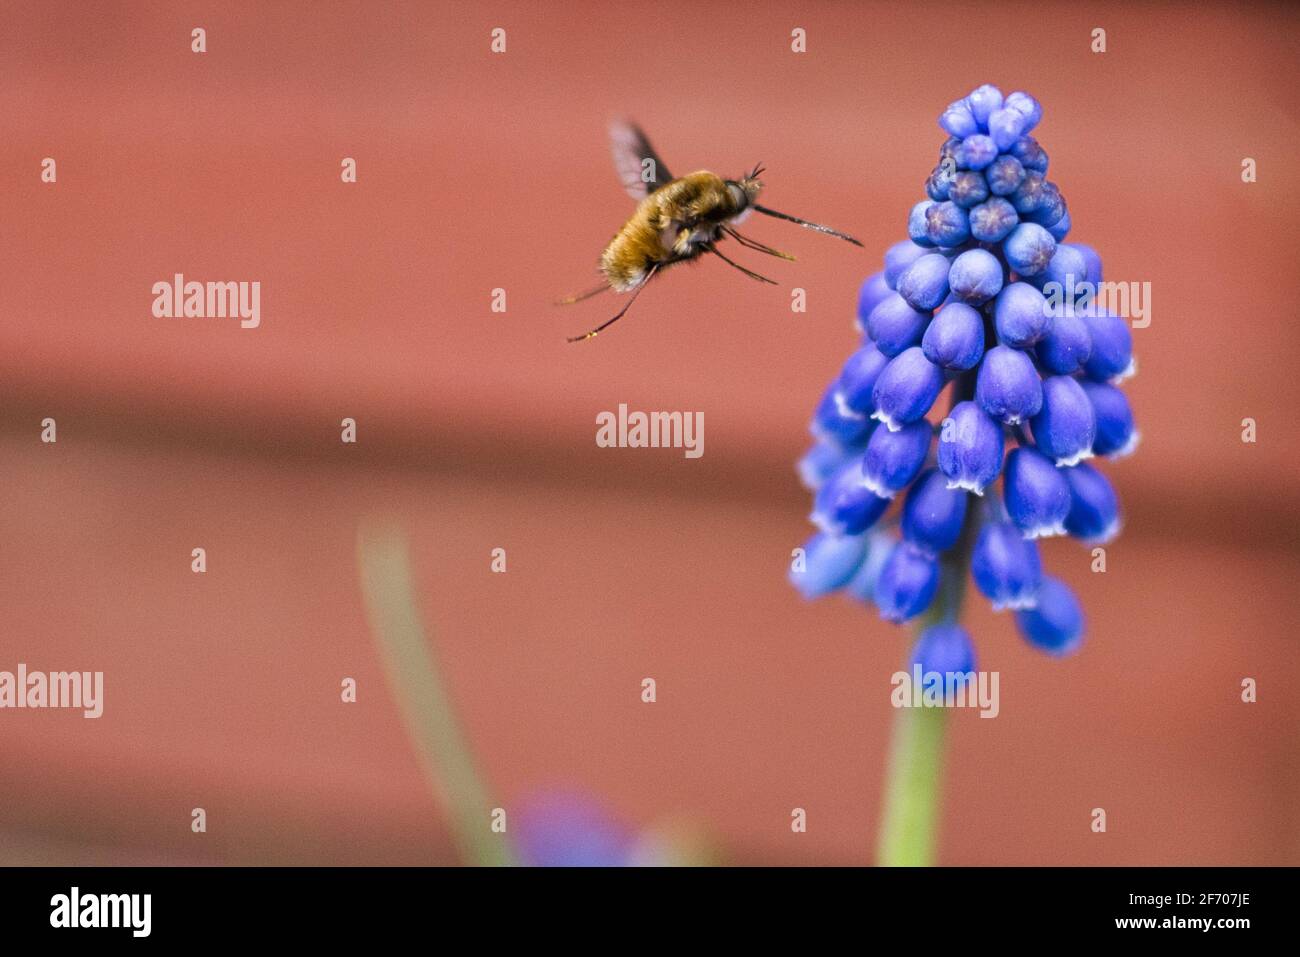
point(630, 255)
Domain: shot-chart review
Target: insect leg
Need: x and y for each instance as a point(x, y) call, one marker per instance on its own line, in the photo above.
point(579, 296)
point(755, 245)
point(803, 222)
point(748, 272)
point(636, 292)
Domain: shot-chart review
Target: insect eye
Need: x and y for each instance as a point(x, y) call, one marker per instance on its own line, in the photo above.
point(738, 194)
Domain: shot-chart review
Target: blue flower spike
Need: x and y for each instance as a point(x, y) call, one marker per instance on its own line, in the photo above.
point(984, 298)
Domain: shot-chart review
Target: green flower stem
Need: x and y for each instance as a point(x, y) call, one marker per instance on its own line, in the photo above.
point(426, 708)
point(908, 824)
point(907, 832)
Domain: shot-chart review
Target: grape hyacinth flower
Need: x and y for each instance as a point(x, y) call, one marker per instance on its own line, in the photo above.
point(1007, 386)
point(1055, 623)
point(845, 504)
point(965, 305)
point(906, 583)
point(1006, 567)
point(1037, 495)
point(945, 650)
point(970, 448)
point(955, 339)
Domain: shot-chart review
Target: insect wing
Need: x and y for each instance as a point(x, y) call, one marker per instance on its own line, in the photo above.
point(638, 165)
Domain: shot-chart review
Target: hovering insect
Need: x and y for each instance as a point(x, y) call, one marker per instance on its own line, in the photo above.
point(675, 220)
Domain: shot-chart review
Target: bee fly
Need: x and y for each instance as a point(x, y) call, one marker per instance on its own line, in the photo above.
point(676, 220)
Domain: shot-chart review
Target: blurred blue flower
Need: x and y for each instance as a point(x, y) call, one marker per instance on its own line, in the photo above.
point(570, 829)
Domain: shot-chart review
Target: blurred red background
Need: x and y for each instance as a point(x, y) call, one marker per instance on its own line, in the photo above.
point(476, 429)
